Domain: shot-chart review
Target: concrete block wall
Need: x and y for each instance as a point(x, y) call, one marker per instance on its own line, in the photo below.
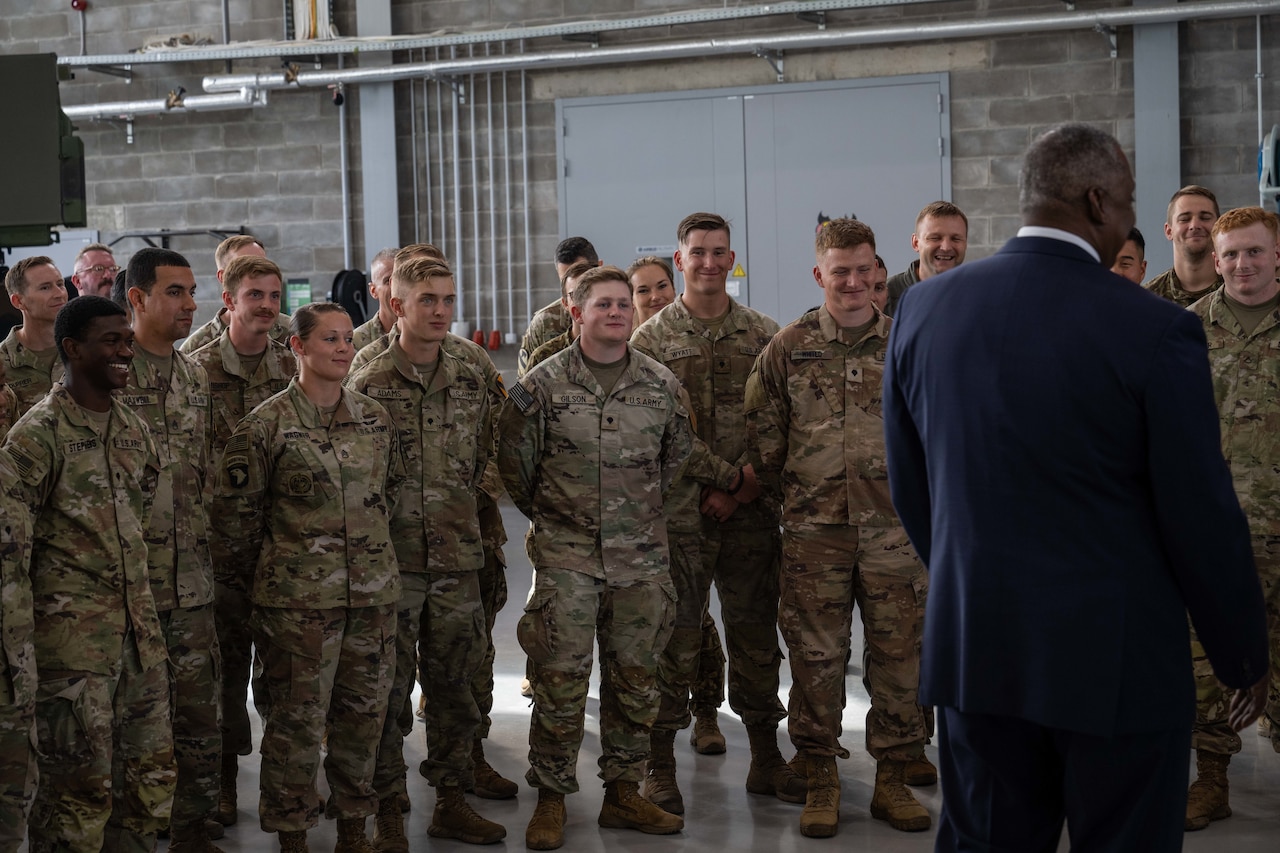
point(276, 171)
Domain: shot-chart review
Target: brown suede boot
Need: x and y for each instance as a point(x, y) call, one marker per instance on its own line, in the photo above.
point(546, 827)
point(660, 778)
point(624, 808)
point(920, 772)
point(821, 815)
point(1208, 794)
point(388, 827)
point(454, 818)
point(193, 838)
point(351, 837)
point(768, 773)
point(489, 783)
point(226, 813)
point(293, 842)
point(706, 737)
point(893, 802)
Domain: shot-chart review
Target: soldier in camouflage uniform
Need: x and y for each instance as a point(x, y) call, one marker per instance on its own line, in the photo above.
point(441, 408)
point(816, 433)
point(235, 246)
point(8, 404)
point(1189, 220)
point(553, 319)
point(18, 673)
point(590, 442)
point(303, 498)
point(380, 289)
point(29, 352)
point(88, 470)
point(245, 366)
point(711, 342)
point(1242, 324)
point(170, 393)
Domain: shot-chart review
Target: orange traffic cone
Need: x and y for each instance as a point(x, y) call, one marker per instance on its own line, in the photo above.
point(478, 337)
point(495, 339)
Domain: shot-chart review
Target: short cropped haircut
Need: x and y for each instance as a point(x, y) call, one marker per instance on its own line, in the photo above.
point(700, 222)
point(248, 266)
point(576, 270)
point(412, 271)
point(93, 247)
point(75, 318)
point(651, 261)
point(939, 210)
point(141, 272)
point(418, 250)
point(1243, 217)
point(228, 247)
point(1064, 163)
point(594, 276)
point(1138, 240)
point(570, 249)
point(844, 234)
point(1191, 189)
point(15, 281)
point(304, 320)
point(880, 263)
point(388, 255)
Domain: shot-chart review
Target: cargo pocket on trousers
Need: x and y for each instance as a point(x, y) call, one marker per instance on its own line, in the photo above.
point(536, 627)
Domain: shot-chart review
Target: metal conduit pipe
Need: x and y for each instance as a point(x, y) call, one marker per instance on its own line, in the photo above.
point(345, 168)
point(524, 194)
point(493, 202)
point(697, 48)
point(506, 184)
point(240, 99)
point(472, 136)
point(458, 267)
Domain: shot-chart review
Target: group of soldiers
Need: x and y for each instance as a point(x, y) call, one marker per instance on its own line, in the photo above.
point(326, 499)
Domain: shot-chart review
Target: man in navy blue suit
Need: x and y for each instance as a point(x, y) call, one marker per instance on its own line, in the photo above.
point(1053, 454)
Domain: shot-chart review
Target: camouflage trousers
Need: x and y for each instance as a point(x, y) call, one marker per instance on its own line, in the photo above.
point(826, 569)
point(195, 686)
point(744, 565)
point(440, 636)
point(106, 759)
point(566, 613)
point(707, 692)
point(1211, 732)
point(232, 611)
point(18, 769)
point(323, 670)
point(680, 667)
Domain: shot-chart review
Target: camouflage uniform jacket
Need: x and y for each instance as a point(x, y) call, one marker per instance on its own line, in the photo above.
point(1167, 286)
point(1246, 385)
point(446, 440)
point(8, 410)
point(898, 284)
point(368, 332)
point(28, 379)
point(305, 507)
point(213, 330)
point(815, 424)
point(234, 395)
point(18, 664)
point(591, 470)
point(176, 409)
point(559, 343)
point(90, 497)
point(548, 321)
point(715, 375)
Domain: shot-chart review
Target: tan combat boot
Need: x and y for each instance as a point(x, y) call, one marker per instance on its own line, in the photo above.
point(293, 842)
point(624, 808)
point(920, 772)
point(226, 813)
point(546, 827)
point(821, 815)
point(660, 778)
point(1207, 796)
point(193, 838)
point(454, 818)
point(388, 827)
point(706, 737)
point(892, 801)
point(351, 837)
point(489, 783)
point(768, 773)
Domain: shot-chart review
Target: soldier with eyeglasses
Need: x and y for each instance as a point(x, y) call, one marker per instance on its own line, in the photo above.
point(95, 270)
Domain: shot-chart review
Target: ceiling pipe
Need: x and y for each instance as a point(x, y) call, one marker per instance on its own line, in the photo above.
point(174, 102)
point(1104, 20)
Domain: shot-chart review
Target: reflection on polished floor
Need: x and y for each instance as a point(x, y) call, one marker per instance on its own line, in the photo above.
point(720, 814)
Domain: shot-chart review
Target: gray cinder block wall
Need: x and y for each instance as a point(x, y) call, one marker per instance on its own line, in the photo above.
point(276, 170)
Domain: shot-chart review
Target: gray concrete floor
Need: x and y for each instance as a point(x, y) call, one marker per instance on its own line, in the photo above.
point(720, 814)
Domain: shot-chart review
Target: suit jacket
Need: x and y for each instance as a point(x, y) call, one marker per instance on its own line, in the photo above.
point(1054, 455)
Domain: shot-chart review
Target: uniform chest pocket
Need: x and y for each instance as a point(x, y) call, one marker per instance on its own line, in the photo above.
point(300, 478)
point(865, 382)
point(815, 388)
point(574, 418)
